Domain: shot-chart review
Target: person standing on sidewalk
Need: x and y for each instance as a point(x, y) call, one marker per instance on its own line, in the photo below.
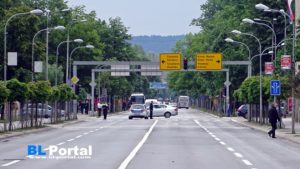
point(273, 117)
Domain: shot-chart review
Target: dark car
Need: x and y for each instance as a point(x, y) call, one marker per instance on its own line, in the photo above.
point(242, 110)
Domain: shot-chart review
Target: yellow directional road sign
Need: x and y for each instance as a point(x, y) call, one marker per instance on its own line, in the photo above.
point(170, 61)
point(74, 79)
point(209, 61)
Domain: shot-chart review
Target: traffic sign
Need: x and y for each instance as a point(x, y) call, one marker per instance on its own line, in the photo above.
point(286, 62)
point(269, 68)
point(158, 85)
point(275, 87)
point(209, 61)
point(75, 79)
point(170, 61)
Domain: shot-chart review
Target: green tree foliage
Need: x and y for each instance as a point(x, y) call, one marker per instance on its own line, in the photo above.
point(4, 93)
point(18, 90)
point(217, 21)
point(40, 91)
point(66, 93)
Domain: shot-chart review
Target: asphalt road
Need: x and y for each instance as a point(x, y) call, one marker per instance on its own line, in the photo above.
point(191, 140)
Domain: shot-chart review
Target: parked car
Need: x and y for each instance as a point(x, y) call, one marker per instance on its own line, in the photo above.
point(137, 110)
point(45, 111)
point(242, 110)
point(162, 110)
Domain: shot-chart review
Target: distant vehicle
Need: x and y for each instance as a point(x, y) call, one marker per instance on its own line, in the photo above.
point(173, 104)
point(242, 111)
point(183, 102)
point(162, 110)
point(148, 101)
point(137, 98)
point(137, 110)
point(45, 111)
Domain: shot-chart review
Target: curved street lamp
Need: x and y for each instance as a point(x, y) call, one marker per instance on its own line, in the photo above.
point(34, 12)
point(260, 65)
point(33, 43)
point(57, 53)
point(79, 47)
point(249, 53)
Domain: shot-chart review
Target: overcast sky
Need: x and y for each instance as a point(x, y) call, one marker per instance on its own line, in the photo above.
point(148, 17)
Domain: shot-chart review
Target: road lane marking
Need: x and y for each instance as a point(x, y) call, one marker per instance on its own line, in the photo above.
point(71, 139)
point(221, 142)
point(247, 162)
point(85, 133)
point(59, 144)
point(230, 149)
point(78, 136)
point(217, 139)
point(10, 163)
point(136, 149)
point(238, 155)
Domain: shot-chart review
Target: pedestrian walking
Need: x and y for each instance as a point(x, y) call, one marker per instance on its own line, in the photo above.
point(273, 117)
point(105, 111)
point(151, 109)
point(99, 109)
point(124, 106)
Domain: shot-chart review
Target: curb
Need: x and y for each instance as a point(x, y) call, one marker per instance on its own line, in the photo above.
point(279, 133)
point(46, 127)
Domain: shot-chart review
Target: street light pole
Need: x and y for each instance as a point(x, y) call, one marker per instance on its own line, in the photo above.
point(249, 53)
point(35, 12)
point(33, 43)
point(57, 53)
point(260, 71)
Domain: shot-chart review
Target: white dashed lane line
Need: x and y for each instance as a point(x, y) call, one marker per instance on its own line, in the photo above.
point(79, 136)
point(248, 163)
point(71, 139)
point(60, 143)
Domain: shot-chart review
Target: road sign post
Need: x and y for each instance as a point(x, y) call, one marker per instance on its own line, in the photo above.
point(170, 61)
point(275, 88)
point(209, 61)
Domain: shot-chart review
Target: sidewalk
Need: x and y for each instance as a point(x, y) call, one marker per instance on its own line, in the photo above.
point(285, 133)
point(46, 127)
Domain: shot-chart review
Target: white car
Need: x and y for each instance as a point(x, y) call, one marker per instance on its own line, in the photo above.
point(137, 110)
point(162, 110)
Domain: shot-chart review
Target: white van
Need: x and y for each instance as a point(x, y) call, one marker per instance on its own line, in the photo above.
point(183, 102)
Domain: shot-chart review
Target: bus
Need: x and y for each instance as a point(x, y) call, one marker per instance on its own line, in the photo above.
point(137, 98)
point(183, 102)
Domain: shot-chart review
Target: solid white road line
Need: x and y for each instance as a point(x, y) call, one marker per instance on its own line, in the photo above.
point(247, 162)
point(70, 139)
point(59, 144)
point(10, 163)
point(136, 149)
point(238, 155)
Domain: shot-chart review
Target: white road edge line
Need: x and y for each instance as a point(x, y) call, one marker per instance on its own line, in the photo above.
point(136, 149)
point(247, 162)
point(10, 163)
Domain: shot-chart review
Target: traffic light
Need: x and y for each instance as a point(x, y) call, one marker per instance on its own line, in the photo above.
point(185, 64)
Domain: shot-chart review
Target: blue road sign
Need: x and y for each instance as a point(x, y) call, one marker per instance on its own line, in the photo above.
point(275, 87)
point(158, 85)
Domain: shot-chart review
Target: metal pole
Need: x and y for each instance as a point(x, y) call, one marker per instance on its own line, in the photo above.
point(47, 48)
point(67, 65)
point(293, 80)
